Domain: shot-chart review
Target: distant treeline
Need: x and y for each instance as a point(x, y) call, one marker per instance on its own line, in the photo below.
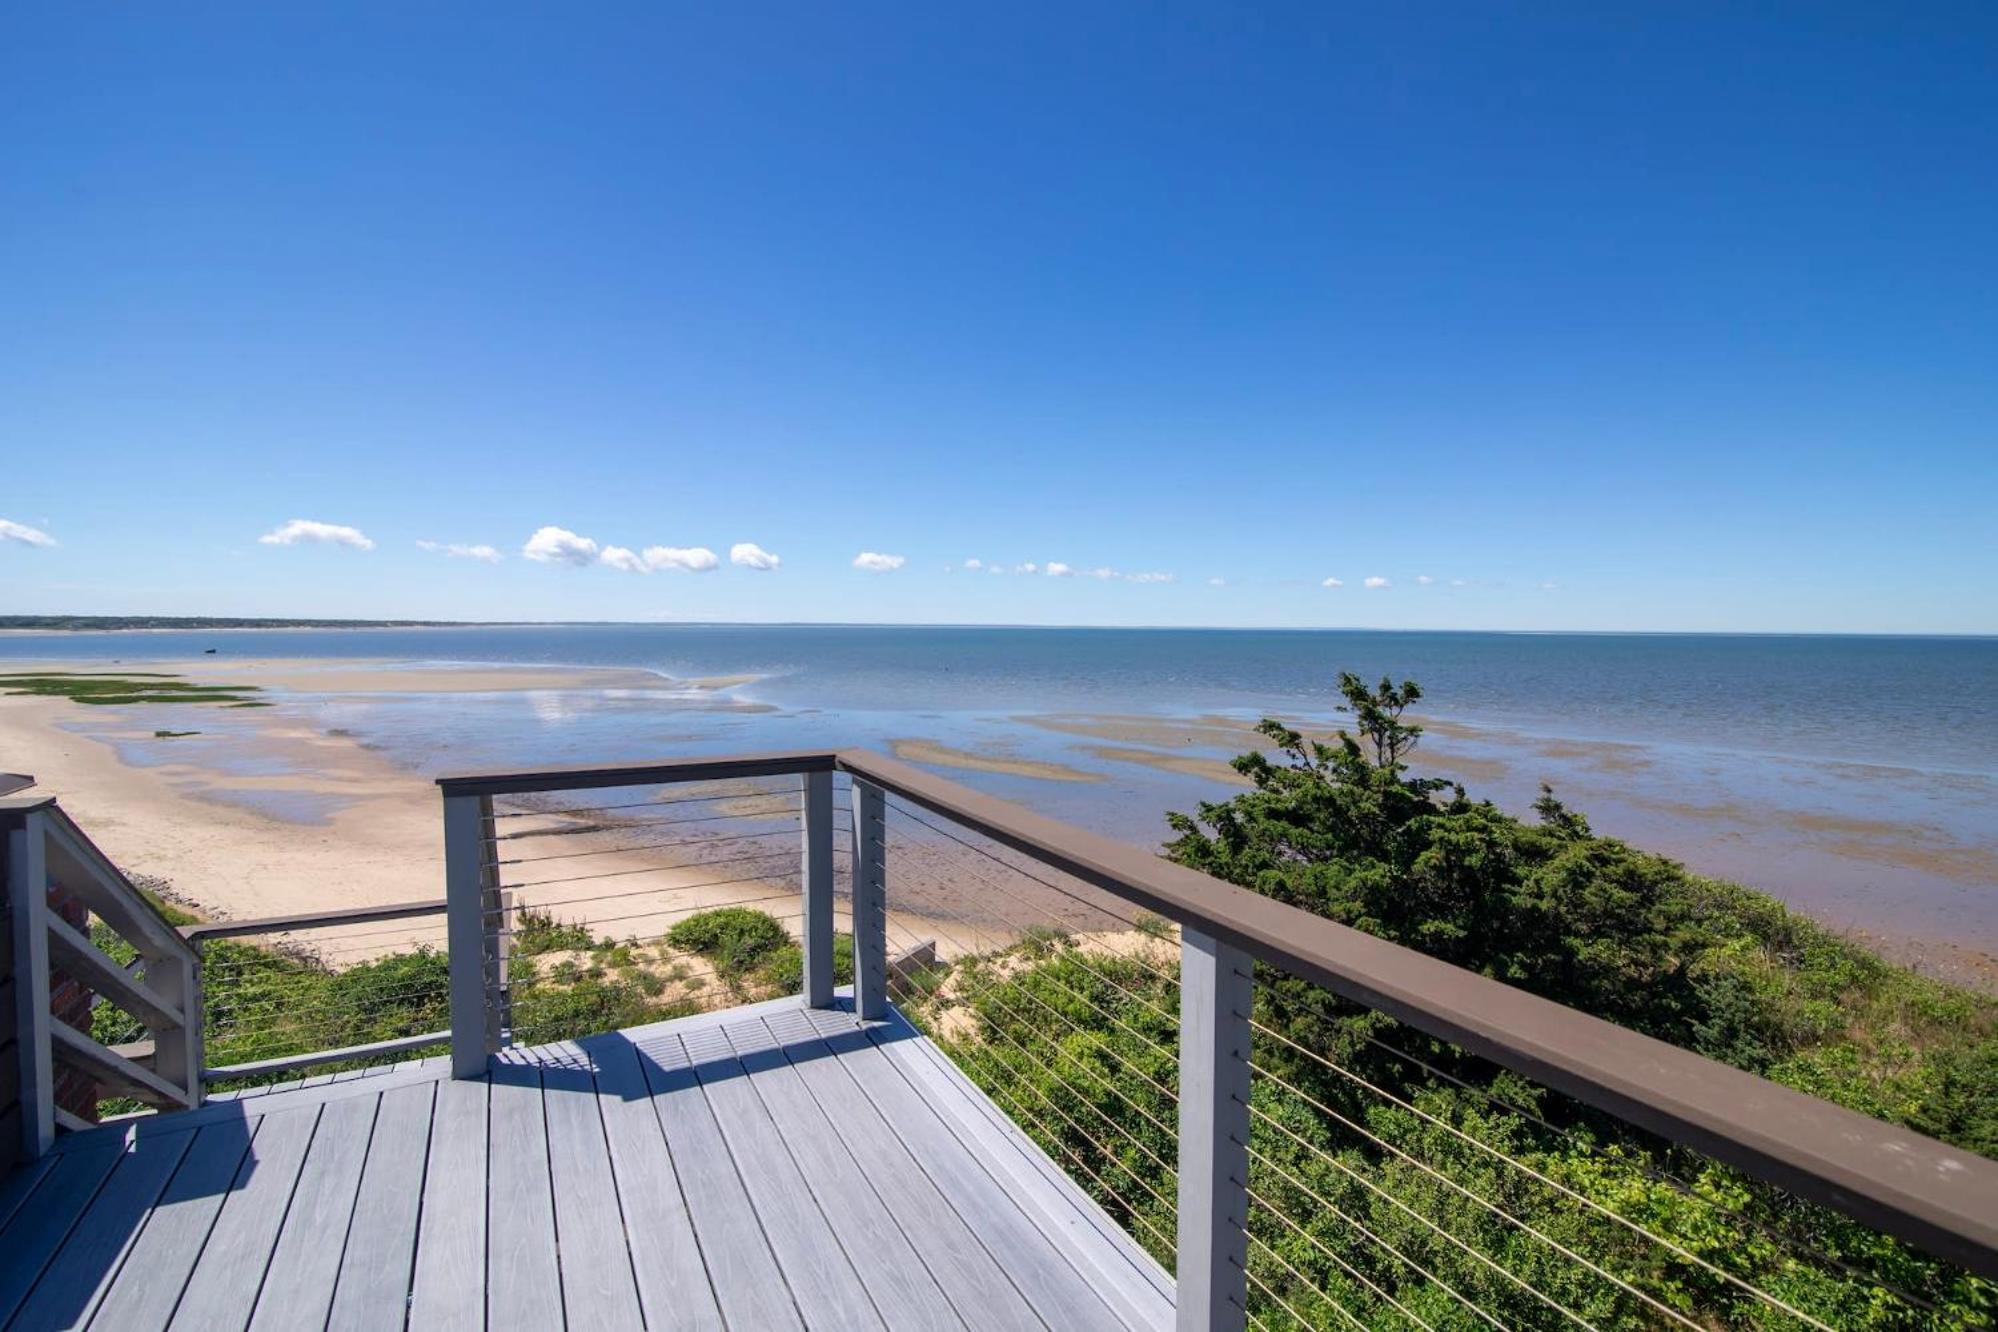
point(203, 622)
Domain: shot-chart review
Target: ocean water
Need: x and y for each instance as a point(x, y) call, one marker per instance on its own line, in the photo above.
point(1855, 776)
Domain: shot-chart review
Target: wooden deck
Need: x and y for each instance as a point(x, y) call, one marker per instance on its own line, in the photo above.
point(767, 1167)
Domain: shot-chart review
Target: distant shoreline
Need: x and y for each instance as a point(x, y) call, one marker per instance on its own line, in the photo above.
point(142, 624)
point(19, 625)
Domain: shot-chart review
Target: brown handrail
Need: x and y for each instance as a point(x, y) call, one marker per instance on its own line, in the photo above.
point(236, 929)
point(1939, 1198)
point(590, 776)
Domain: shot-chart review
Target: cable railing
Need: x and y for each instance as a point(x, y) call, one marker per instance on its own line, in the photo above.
point(611, 907)
point(322, 992)
point(1380, 1188)
point(1036, 994)
point(583, 927)
point(1309, 1126)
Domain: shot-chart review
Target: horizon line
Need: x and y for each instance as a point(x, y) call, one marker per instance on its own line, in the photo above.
point(331, 623)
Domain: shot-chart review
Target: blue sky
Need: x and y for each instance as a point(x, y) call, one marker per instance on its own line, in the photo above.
point(1593, 318)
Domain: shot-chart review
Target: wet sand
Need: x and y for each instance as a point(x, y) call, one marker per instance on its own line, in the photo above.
point(946, 756)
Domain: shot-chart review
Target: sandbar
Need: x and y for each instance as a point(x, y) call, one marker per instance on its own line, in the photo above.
point(945, 756)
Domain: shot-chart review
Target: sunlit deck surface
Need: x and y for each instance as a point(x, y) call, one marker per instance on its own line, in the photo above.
point(765, 1167)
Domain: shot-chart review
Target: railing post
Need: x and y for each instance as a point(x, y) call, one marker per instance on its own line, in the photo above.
point(28, 904)
point(467, 933)
point(495, 911)
point(1216, 989)
point(177, 1055)
point(870, 901)
point(818, 889)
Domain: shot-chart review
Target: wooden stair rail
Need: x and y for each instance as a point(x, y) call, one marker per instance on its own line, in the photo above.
point(46, 851)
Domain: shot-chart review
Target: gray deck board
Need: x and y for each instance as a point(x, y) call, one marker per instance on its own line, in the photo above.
point(978, 1287)
point(14, 1190)
point(1121, 1271)
point(599, 1290)
point(823, 1281)
point(1058, 1292)
point(222, 1289)
point(523, 1280)
point(428, 1072)
point(298, 1287)
point(74, 1279)
point(448, 1288)
point(905, 1294)
point(765, 1167)
point(743, 1271)
point(665, 1256)
point(155, 1271)
point(42, 1222)
point(371, 1291)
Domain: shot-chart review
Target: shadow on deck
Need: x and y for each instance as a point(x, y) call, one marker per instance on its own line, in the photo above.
point(772, 1166)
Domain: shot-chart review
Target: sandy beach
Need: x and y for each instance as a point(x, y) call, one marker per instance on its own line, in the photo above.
point(215, 838)
point(382, 844)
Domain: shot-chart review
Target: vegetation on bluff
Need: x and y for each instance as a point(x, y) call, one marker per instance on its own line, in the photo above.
point(1399, 1182)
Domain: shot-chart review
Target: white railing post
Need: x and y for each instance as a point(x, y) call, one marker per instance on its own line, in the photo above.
point(818, 889)
point(28, 904)
point(870, 901)
point(1216, 989)
point(467, 932)
point(177, 1054)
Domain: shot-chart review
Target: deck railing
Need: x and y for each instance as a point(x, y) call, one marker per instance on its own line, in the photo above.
point(324, 989)
point(1251, 1089)
point(153, 980)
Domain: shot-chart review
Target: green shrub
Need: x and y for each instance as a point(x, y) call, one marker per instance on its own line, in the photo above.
point(539, 932)
point(735, 939)
point(784, 969)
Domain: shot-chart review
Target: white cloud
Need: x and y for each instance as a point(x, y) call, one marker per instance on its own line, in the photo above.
point(1104, 573)
point(1424, 580)
point(975, 565)
point(1377, 583)
point(558, 545)
point(752, 556)
point(457, 551)
point(1056, 569)
point(1333, 582)
point(993, 568)
point(877, 563)
point(1149, 578)
point(693, 559)
point(618, 557)
point(1217, 581)
point(1549, 586)
point(27, 536)
point(1029, 567)
point(331, 534)
point(1458, 582)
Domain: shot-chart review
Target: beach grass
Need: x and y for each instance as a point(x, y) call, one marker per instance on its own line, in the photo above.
point(125, 687)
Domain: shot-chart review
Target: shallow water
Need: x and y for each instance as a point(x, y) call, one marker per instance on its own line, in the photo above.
point(1856, 777)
